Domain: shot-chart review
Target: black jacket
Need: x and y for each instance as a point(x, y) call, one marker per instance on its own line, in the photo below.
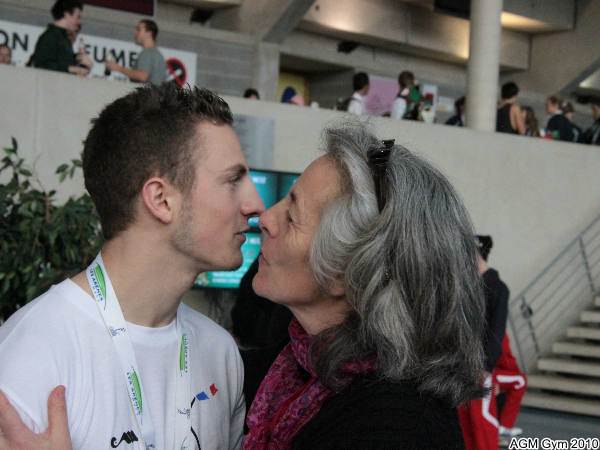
point(496, 314)
point(381, 415)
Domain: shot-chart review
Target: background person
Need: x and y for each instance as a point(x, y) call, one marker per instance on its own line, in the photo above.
point(260, 328)
point(408, 102)
point(53, 49)
point(508, 117)
point(5, 54)
point(592, 134)
point(532, 126)
point(356, 104)
point(150, 65)
point(458, 119)
point(569, 112)
point(481, 422)
point(558, 127)
point(251, 94)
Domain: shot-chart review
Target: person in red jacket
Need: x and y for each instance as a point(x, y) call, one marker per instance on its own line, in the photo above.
point(481, 423)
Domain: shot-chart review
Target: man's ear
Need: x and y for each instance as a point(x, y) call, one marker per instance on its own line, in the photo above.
point(160, 199)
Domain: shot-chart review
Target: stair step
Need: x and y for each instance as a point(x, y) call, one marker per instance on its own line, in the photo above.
point(573, 348)
point(584, 333)
point(590, 316)
point(564, 384)
point(562, 403)
point(569, 366)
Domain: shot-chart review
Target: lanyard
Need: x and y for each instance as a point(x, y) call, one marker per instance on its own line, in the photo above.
point(111, 313)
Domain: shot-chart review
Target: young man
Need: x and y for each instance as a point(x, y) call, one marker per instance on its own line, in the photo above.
point(592, 134)
point(481, 422)
point(53, 49)
point(150, 65)
point(141, 370)
point(356, 104)
point(559, 127)
point(5, 54)
point(509, 118)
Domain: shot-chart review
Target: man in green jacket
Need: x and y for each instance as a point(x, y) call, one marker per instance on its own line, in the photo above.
point(53, 49)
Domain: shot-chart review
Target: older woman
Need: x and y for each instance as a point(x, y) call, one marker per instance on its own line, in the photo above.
point(373, 253)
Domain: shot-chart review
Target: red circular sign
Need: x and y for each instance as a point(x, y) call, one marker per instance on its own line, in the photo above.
point(177, 71)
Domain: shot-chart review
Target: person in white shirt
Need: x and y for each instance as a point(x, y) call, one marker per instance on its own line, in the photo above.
point(165, 170)
point(356, 104)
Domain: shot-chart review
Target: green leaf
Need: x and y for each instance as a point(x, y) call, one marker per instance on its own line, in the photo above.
point(15, 145)
point(62, 168)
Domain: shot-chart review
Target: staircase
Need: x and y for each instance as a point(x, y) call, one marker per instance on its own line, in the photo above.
point(569, 379)
point(555, 329)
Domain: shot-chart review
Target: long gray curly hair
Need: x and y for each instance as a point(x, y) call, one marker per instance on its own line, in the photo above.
point(410, 272)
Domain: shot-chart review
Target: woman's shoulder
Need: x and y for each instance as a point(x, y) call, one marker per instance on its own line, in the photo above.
point(381, 414)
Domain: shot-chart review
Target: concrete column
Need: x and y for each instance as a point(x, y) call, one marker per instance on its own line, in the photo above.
point(266, 70)
point(484, 58)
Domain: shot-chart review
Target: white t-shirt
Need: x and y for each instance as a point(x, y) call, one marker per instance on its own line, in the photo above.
point(398, 108)
point(357, 104)
point(60, 338)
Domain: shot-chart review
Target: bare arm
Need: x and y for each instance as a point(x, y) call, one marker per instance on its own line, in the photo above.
point(14, 434)
point(516, 119)
point(132, 74)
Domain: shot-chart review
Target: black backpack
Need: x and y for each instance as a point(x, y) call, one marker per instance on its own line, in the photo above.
point(343, 105)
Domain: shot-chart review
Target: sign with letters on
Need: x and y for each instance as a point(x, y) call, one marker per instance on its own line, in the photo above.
point(21, 38)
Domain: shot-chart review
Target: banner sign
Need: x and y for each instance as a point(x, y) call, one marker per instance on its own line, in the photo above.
point(145, 7)
point(21, 38)
point(257, 137)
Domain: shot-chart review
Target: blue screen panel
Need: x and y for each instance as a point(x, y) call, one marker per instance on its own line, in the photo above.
point(286, 181)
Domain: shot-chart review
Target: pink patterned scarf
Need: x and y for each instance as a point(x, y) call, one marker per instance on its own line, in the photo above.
point(291, 394)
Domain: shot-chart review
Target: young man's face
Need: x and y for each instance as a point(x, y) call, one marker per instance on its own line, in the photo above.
point(140, 33)
point(210, 228)
point(73, 20)
point(5, 56)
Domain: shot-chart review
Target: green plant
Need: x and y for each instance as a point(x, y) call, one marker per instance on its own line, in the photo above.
point(40, 242)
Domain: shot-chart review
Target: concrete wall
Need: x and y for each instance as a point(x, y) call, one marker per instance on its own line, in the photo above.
point(392, 24)
point(560, 61)
point(532, 195)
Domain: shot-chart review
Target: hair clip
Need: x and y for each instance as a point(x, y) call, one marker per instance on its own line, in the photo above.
point(378, 158)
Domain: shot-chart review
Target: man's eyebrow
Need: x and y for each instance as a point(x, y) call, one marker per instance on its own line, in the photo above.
point(238, 169)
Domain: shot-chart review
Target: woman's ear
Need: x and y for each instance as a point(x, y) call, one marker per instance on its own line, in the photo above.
point(337, 288)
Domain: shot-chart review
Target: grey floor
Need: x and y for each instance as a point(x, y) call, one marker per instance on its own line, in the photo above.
point(556, 425)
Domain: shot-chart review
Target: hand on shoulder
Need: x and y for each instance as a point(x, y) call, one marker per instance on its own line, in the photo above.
point(14, 434)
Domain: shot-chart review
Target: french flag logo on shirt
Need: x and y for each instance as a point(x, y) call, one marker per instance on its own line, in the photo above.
point(202, 395)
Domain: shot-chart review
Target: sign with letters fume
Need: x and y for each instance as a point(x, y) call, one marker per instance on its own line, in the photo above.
point(21, 38)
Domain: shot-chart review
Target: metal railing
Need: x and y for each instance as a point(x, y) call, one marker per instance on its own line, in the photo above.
point(556, 297)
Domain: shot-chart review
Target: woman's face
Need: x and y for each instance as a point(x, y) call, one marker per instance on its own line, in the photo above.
point(288, 229)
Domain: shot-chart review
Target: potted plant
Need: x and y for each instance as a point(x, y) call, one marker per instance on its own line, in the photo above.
point(41, 242)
